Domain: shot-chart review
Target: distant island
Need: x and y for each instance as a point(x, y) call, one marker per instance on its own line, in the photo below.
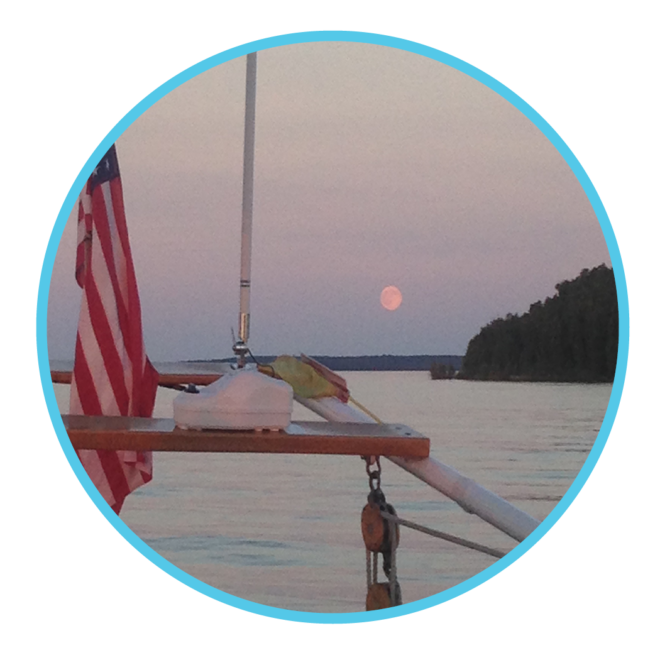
point(369, 362)
point(571, 337)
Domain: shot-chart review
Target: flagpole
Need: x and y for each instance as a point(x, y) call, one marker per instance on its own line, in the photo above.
point(240, 347)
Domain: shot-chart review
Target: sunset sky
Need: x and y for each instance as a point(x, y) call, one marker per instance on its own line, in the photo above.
point(374, 167)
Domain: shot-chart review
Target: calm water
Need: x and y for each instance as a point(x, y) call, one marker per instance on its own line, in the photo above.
point(285, 530)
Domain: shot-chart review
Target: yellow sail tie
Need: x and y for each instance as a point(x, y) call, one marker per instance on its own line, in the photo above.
point(307, 382)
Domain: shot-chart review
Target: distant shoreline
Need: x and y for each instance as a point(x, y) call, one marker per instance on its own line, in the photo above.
point(365, 362)
point(336, 363)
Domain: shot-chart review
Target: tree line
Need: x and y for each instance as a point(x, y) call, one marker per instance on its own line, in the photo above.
point(571, 337)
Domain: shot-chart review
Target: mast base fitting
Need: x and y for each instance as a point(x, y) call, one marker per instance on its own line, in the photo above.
point(240, 351)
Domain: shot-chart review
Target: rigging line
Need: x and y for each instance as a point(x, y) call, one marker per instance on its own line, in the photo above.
point(255, 359)
point(363, 409)
point(445, 537)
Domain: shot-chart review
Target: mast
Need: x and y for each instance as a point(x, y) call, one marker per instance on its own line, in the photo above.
point(241, 347)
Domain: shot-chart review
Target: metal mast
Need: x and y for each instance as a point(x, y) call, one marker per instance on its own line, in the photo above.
point(240, 347)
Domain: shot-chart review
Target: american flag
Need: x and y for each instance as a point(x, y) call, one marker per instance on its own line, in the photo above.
point(111, 374)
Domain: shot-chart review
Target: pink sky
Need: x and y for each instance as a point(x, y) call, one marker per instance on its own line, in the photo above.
point(374, 167)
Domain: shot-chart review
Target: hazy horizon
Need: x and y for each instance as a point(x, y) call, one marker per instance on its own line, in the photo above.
point(374, 167)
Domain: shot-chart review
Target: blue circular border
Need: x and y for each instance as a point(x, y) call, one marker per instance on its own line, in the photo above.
point(381, 40)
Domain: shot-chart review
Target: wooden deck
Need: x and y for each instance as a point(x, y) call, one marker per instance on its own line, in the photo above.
point(148, 434)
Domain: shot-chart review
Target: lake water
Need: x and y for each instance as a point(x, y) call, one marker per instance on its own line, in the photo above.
point(285, 530)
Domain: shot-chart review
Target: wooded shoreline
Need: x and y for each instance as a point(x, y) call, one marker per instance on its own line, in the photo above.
point(571, 337)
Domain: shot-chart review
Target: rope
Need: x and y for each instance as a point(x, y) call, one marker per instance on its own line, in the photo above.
point(445, 537)
point(364, 410)
point(395, 589)
point(368, 569)
point(372, 567)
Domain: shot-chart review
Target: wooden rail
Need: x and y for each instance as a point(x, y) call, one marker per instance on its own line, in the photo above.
point(148, 434)
point(166, 380)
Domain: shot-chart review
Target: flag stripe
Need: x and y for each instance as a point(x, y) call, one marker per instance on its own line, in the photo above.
point(113, 469)
point(117, 266)
point(95, 360)
point(102, 344)
point(111, 265)
point(92, 464)
point(82, 380)
point(142, 368)
point(112, 374)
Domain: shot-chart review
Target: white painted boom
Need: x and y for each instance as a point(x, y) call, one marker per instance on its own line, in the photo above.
point(466, 492)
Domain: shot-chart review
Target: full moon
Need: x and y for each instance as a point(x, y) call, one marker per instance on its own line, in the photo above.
point(390, 298)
